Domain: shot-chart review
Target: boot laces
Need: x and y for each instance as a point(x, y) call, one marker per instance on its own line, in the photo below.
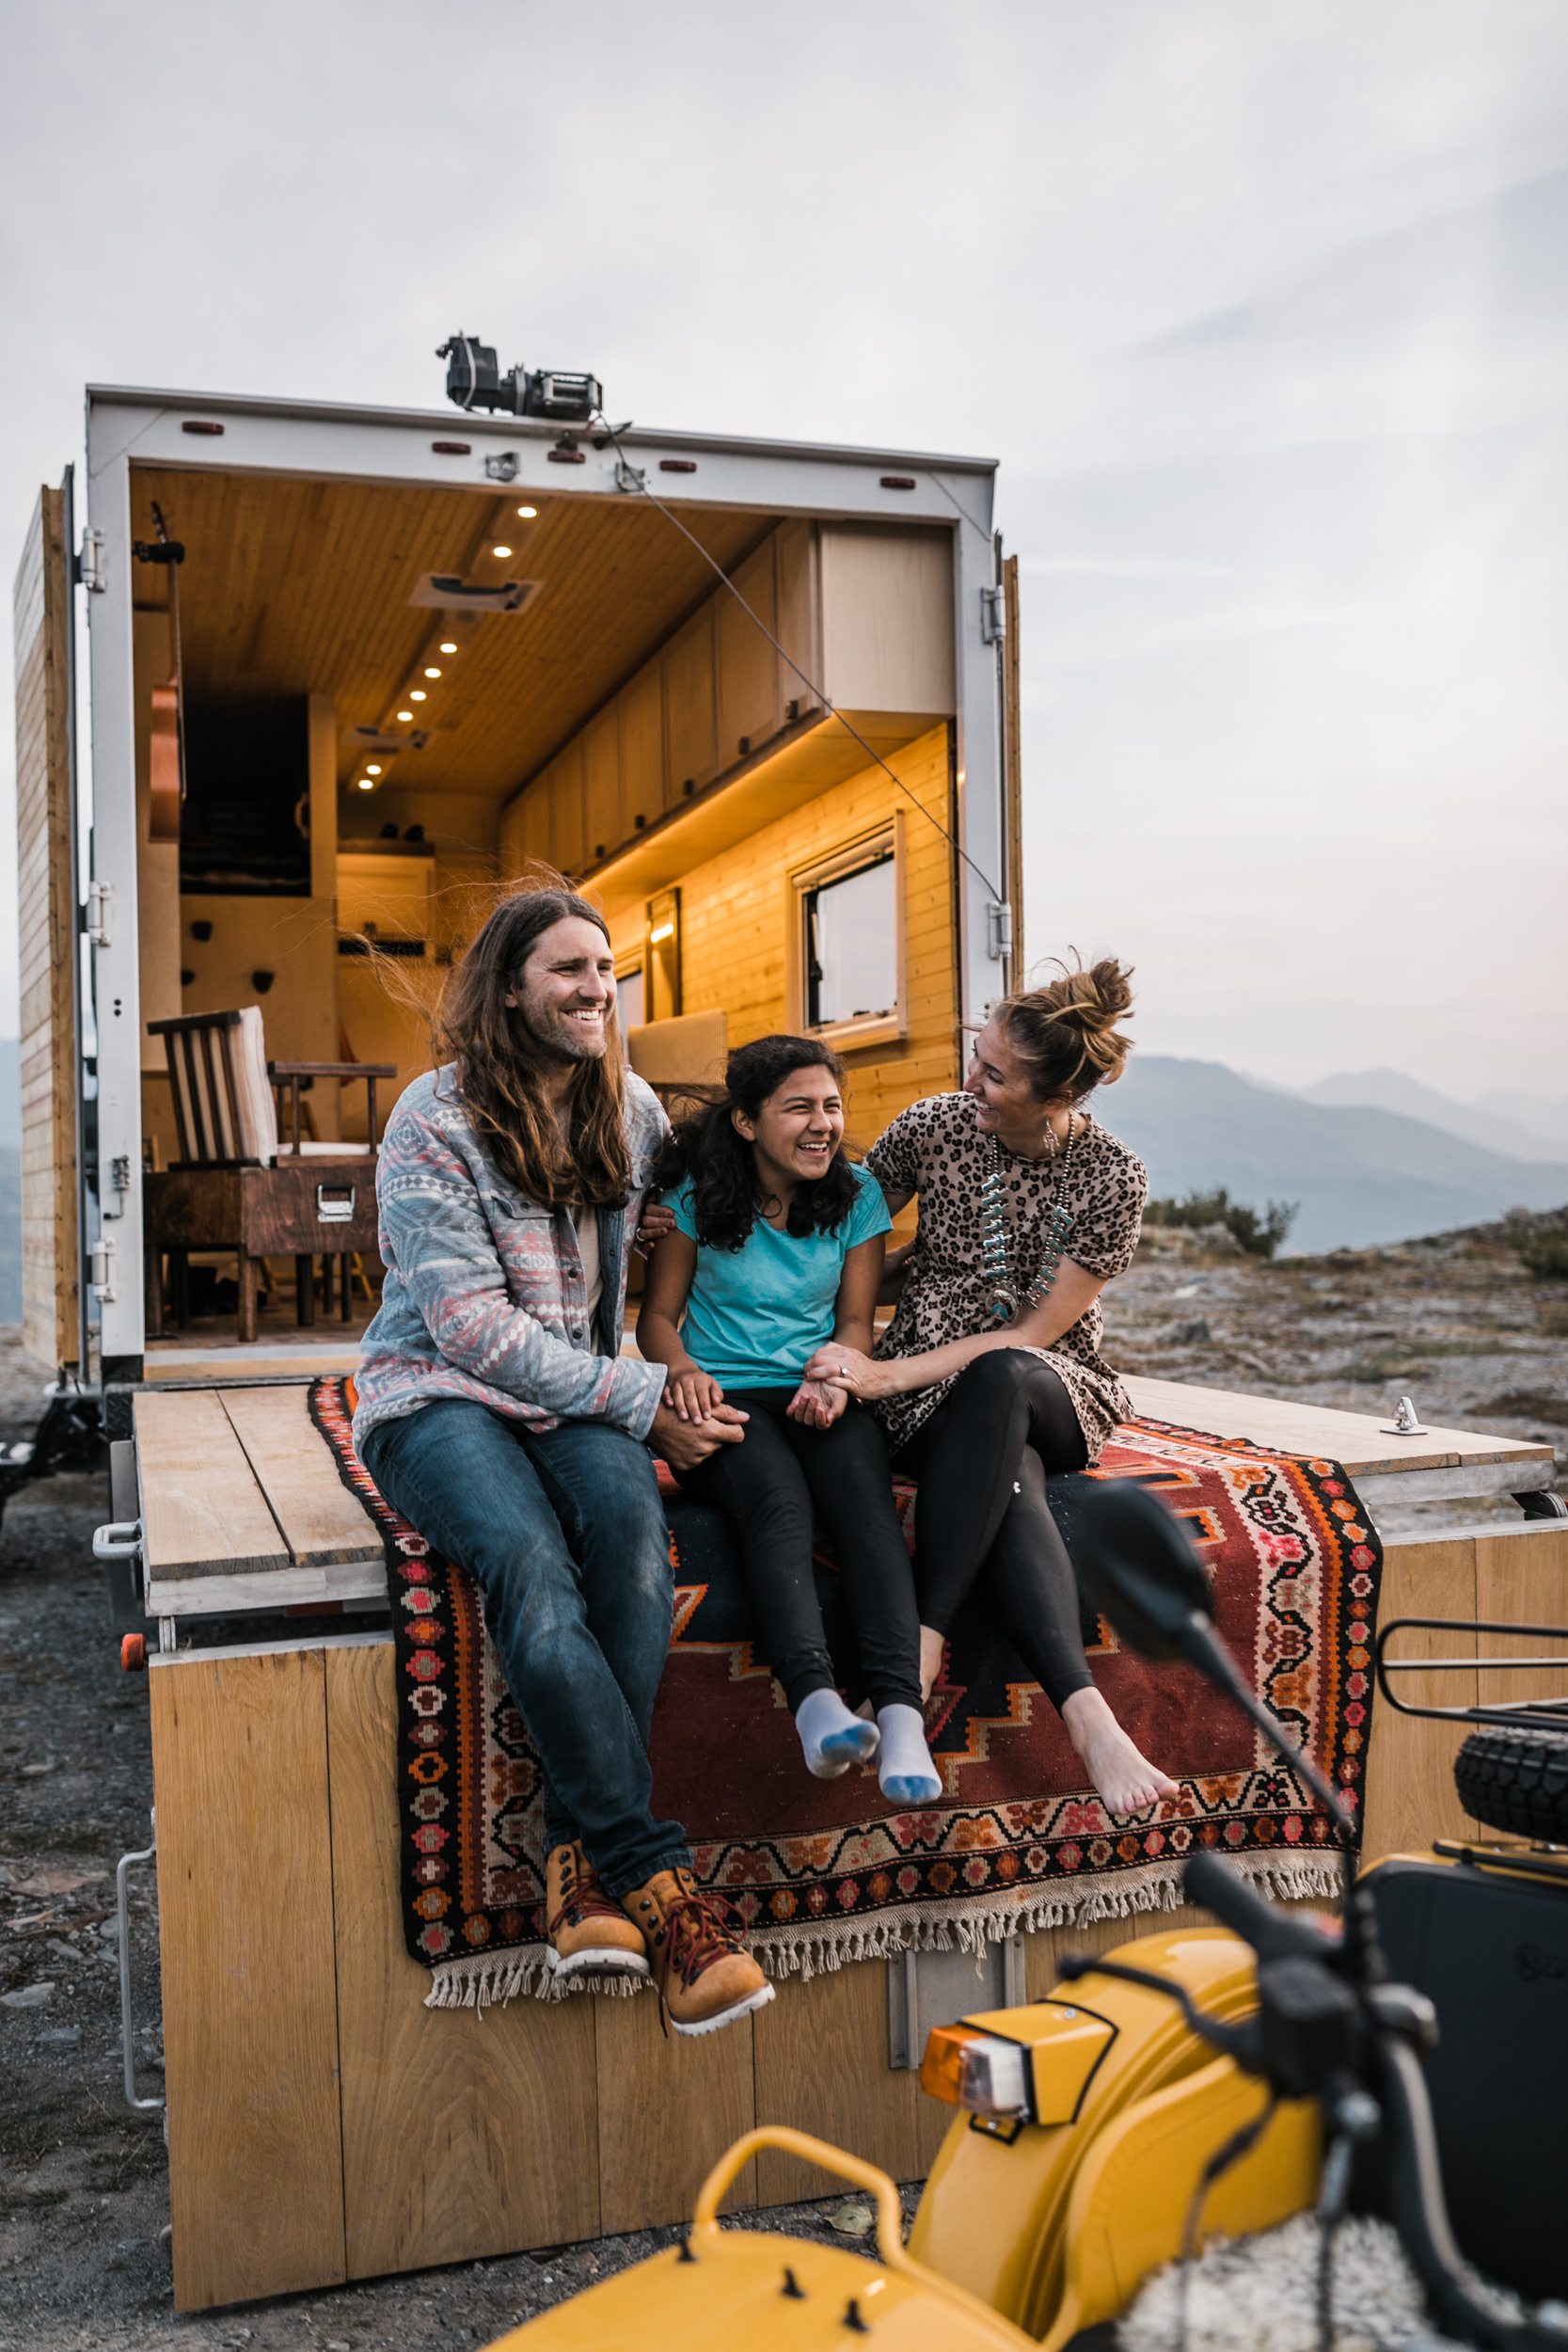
point(697, 1931)
point(582, 1897)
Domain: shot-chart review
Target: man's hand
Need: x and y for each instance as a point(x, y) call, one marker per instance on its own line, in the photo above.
point(694, 1394)
point(683, 1444)
point(815, 1405)
point(654, 1223)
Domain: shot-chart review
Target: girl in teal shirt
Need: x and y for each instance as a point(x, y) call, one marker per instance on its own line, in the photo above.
point(776, 1252)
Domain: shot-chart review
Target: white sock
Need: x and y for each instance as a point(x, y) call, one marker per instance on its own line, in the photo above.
point(905, 1769)
point(831, 1737)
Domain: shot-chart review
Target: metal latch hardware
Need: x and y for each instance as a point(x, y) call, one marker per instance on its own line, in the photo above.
point(334, 1204)
point(99, 929)
point(994, 616)
point(91, 568)
point(502, 468)
point(631, 477)
point(100, 1268)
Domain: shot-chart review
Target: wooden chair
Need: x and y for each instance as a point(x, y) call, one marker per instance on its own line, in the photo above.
point(237, 1186)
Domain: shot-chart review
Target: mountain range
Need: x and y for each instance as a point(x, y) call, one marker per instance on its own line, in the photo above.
point(1360, 1173)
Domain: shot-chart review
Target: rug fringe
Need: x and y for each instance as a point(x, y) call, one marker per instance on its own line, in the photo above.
point(818, 1949)
point(482, 1981)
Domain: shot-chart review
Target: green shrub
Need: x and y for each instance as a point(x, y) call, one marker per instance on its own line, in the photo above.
point(1547, 1253)
point(1260, 1236)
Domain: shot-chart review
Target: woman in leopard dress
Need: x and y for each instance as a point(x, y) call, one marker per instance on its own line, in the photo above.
point(990, 1376)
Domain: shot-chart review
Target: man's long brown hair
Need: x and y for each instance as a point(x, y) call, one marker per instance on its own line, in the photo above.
point(499, 1067)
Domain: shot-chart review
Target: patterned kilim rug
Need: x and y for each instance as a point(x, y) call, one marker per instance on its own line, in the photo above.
point(827, 1871)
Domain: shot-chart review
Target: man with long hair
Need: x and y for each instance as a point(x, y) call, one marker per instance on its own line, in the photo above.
point(497, 1414)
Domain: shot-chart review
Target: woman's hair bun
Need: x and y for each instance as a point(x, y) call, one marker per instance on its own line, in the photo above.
point(1067, 1031)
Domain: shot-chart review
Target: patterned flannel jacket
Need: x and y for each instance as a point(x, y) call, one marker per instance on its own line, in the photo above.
point(485, 1294)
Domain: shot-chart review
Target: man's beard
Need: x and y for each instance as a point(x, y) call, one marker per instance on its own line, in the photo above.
point(555, 1034)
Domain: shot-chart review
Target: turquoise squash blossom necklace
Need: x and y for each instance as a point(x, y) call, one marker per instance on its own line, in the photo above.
point(1000, 1301)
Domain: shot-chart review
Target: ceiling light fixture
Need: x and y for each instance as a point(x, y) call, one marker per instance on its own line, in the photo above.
point(528, 512)
point(419, 695)
point(665, 930)
point(365, 784)
point(405, 714)
point(502, 552)
point(430, 673)
point(373, 771)
point(449, 646)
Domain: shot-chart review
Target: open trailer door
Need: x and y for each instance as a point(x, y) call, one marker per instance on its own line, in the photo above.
point(1012, 770)
point(47, 929)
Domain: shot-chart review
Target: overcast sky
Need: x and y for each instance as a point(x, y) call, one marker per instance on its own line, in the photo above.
point(1259, 303)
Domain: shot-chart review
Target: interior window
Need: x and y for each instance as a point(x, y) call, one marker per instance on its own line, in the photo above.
point(628, 1000)
point(852, 944)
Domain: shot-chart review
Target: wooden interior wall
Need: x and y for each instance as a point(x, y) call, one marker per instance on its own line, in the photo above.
point(739, 909)
point(46, 942)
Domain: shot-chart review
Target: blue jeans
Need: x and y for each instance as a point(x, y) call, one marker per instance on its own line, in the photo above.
point(565, 1535)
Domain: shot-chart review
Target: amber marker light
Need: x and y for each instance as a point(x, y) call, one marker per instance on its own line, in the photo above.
point(502, 552)
point(528, 512)
point(978, 2072)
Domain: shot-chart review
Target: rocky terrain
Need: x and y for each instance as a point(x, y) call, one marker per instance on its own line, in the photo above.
point(1459, 1321)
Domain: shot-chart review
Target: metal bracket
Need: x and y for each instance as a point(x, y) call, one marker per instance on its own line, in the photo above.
point(502, 468)
point(1543, 1504)
point(994, 616)
point(121, 1539)
point(999, 918)
point(90, 568)
point(122, 1903)
point(99, 927)
point(631, 477)
point(101, 1266)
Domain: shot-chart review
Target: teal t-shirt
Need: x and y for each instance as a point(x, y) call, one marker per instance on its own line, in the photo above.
point(757, 1314)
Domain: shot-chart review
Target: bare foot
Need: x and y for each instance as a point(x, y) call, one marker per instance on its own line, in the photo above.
point(1125, 1780)
point(932, 1647)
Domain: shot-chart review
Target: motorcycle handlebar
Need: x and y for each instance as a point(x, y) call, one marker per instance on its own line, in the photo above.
point(1210, 1882)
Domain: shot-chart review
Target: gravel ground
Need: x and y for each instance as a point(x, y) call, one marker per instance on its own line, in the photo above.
point(83, 2186)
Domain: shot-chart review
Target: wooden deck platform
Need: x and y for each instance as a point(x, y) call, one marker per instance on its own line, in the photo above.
point(322, 2123)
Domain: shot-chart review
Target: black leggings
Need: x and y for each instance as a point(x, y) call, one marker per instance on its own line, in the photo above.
point(766, 1487)
point(983, 1521)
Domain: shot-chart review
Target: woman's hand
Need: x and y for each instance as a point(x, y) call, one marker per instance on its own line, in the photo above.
point(692, 1394)
point(652, 1224)
point(817, 1404)
point(683, 1444)
point(854, 1373)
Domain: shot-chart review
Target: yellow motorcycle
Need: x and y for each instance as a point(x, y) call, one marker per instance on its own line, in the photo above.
point(1205, 2081)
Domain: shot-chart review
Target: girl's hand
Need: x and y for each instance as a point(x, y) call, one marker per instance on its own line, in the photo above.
point(652, 1224)
point(692, 1394)
point(847, 1369)
point(815, 1405)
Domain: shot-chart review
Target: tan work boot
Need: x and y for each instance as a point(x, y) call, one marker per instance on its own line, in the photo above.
point(706, 1977)
point(586, 1926)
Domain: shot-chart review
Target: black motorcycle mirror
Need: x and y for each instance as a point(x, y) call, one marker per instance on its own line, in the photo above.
point(1144, 1574)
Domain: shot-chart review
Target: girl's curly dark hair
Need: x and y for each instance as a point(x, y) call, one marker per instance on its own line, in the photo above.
point(706, 1147)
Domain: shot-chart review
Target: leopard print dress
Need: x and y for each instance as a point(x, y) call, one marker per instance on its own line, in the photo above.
point(936, 1150)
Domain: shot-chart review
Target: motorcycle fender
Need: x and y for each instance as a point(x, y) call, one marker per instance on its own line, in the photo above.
point(1127, 2214)
point(995, 2211)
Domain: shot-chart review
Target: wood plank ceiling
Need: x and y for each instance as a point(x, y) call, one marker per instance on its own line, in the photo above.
point(297, 587)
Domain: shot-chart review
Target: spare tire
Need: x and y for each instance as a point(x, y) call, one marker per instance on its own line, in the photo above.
point(1516, 1780)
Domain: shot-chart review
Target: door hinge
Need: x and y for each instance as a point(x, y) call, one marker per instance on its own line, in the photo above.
point(994, 616)
point(998, 915)
point(91, 570)
point(100, 928)
point(100, 1269)
point(119, 1182)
